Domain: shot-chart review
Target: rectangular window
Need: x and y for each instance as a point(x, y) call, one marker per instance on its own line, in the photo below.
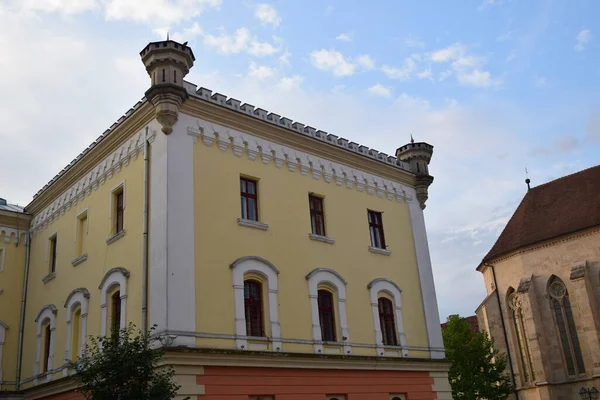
point(53, 245)
point(118, 210)
point(249, 199)
point(81, 233)
point(376, 229)
point(326, 315)
point(317, 216)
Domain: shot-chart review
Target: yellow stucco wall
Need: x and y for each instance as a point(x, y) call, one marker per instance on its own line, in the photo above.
point(11, 283)
point(283, 205)
point(125, 252)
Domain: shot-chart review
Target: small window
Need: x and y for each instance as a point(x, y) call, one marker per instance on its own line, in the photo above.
point(326, 315)
point(82, 225)
point(119, 207)
point(47, 339)
point(387, 322)
point(249, 199)
point(376, 229)
point(53, 249)
point(115, 320)
point(317, 216)
point(253, 308)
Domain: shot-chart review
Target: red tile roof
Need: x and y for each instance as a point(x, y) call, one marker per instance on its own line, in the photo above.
point(472, 320)
point(565, 205)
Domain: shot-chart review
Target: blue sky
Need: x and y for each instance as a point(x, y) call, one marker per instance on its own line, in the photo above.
point(495, 86)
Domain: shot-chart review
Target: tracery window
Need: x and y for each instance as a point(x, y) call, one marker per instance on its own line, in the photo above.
point(565, 324)
point(520, 329)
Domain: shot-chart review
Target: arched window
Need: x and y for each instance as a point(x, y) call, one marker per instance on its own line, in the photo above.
point(113, 299)
point(115, 313)
point(77, 309)
point(565, 324)
point(520, 333)
point(387, 316)
point(387, 321)
point(252, 277)
point(327, 316)
point(253, 308)
point(327, 293)
point(46, 324)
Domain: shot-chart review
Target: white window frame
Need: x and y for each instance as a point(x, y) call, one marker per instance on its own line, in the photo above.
point(328, 276)
point(78, 298)
point(2, 258)
point(77, 224)
point(3, 328)
point(385, 285)
point(116, 277)
point(47, 313)
point(264, 268)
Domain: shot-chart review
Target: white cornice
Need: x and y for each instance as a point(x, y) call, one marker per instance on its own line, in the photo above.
point(308, 164)
point(92, 180)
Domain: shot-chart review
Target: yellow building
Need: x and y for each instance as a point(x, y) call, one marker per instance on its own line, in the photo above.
point(277, 261)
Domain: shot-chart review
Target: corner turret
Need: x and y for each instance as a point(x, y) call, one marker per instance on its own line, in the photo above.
point(418, 155)
point(167, 63)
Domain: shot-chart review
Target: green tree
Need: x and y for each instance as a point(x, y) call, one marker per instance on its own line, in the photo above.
point(124, 367)
point(477, 370)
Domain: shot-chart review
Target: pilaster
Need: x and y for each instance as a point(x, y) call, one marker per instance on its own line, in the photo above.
point(432, 318)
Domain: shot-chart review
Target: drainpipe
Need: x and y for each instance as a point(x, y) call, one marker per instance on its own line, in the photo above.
point(145, 235)
point(512, 371)
point(23, 304)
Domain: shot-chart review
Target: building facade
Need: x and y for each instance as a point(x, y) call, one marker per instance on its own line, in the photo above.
point(543, 282)
point(277, 261)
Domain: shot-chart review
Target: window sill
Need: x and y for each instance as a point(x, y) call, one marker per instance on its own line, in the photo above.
point(49, 277)
point(377, 250)
point(320, 238)
point(252, 224)
point(79, 260)
point(115, 237)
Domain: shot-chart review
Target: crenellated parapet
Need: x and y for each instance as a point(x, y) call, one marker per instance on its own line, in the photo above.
point(295, 127)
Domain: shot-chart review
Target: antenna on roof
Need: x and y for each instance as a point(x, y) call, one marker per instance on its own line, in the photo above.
point(527, 180)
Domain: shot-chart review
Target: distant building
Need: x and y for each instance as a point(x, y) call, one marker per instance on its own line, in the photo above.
point(543, 282)
point(277, 261)
point(472, 320)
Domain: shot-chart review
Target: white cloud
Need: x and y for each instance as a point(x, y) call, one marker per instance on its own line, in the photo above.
point(188, 33)
point(540, 81)
point(477, 78)
point(345, 37)
point(334, 61)
point(414, 42)
point(260, 72)
point(582, 39)
point(267, 14)
point(290, 82)
point(380, 90)
point(365, 62)
point(466, 67)
point(145, 11)
point(402, 73)
point(425, 74)
point(240, 41)
point(284, 59)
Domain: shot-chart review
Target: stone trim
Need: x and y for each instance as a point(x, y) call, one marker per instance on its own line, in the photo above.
point(79, 259)
point(92, 180)
point(12, 235)
point(115, 237)
point(79, 296)
point(578, 271)
point(524, 284)
point(377, 250)
point(49, 277)
point(114, 277)
point(46, 313)
point(252, 224)
point(375, 287)
point(320, 238)
point(257, 148)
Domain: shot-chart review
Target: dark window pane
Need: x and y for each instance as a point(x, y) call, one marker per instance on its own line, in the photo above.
point(387, 322)
point(574, 337)
point(327, 316)
point(563, 336)
point(253, 308)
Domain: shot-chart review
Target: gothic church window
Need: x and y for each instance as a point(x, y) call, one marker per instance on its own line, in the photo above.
point(520, 331)
point(565, 325)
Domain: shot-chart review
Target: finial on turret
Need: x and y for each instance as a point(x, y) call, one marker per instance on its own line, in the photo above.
point(411, 138)
point(527, 180)
point(167, 36)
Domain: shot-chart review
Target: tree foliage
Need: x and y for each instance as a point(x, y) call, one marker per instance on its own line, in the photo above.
point(123, 366)
point(477, 370)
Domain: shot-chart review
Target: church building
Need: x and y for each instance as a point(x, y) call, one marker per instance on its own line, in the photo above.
point(278, 261)
point(543, 283)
